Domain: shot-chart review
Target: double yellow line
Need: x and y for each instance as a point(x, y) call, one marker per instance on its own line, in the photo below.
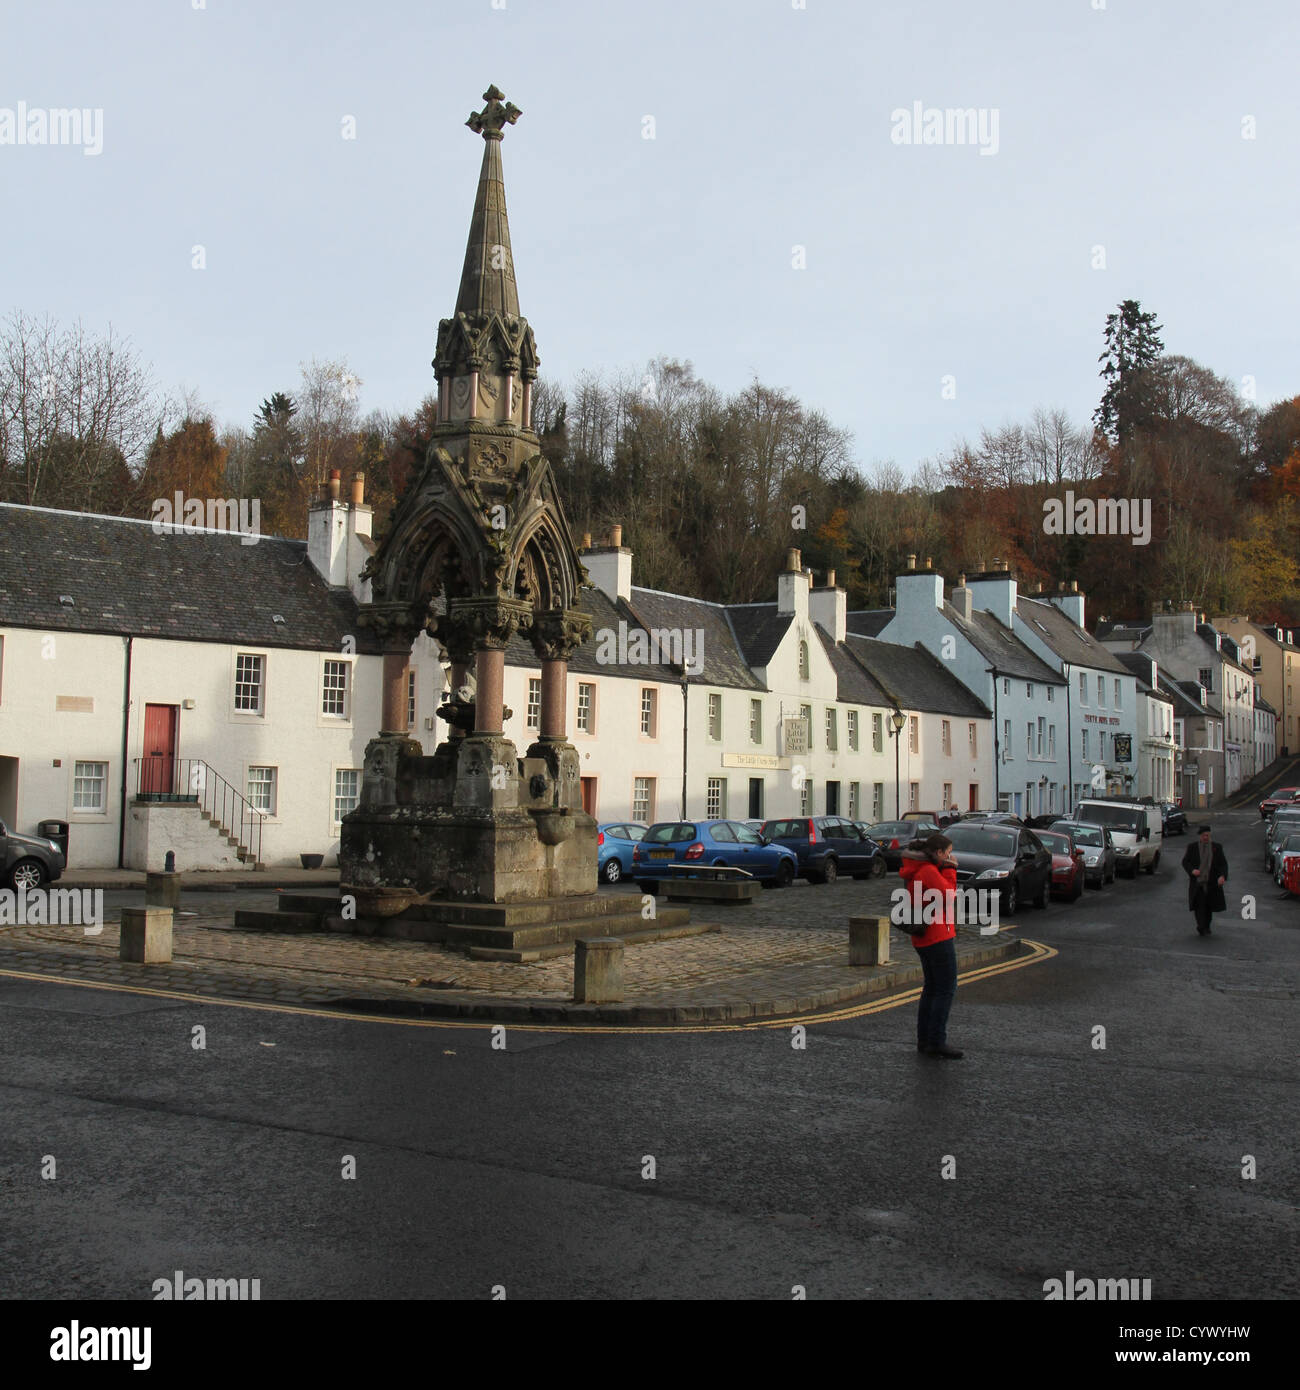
point(1037, 952)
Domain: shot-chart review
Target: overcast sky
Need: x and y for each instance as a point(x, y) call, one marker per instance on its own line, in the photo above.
point(774, 128)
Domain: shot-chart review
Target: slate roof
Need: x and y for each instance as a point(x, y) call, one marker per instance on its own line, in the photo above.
point(759, 628)
point(723, 663)
point(869, 622)
point(126, 579)
point(854, 685)
point(1070, 642)
point(1187, 694)
point(915, 678)
point(1138, 665)
point(1001, 648)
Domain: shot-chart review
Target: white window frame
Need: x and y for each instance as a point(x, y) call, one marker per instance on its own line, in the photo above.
point(715, 720)
point(853, 730)
point(643, 807)
point(93, 778)
point(334, 802)
point(533, 709)
point(585, 713)
point(270, 784)
point(259, 712)
point(715, 799)
point(756, 721)
point(832, 730)
point(649, 725)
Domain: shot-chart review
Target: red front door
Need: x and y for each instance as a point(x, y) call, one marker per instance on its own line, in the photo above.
point(158, 765)
point(588, 785)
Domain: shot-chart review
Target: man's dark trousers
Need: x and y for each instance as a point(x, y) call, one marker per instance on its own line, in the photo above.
point(939, 966)
point(1203, 911)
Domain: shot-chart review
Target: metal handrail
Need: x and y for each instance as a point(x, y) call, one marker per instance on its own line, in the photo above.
point(159, 778)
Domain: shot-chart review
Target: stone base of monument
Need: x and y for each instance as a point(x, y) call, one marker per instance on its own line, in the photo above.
point(491, 931)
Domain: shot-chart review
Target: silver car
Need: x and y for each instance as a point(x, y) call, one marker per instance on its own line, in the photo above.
point(1282, 824)
point(1099, 858)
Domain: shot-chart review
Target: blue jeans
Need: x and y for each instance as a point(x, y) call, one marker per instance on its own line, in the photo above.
point(939, 964)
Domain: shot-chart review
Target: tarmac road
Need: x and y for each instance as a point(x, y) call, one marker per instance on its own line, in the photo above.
point(773, 1166)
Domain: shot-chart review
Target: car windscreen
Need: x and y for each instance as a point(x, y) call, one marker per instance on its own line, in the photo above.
point(979, 839)
point(786, 829)
point(669, 833)
point(1058, 844)
point(1091, 838)
point(887, 829)
point(1124, 818)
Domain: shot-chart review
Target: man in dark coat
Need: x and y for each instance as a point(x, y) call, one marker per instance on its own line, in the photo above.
point(1206, 867)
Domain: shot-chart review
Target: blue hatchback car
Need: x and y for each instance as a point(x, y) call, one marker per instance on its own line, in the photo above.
point(615, 841)
point(710, 842)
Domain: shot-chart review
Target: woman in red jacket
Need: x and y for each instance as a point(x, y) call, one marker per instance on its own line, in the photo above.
point(929, 868)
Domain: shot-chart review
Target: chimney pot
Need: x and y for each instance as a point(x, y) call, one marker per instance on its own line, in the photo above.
point(927, 562)
point(586, 540)
point(359, 490)
point(616, 535)
point(793, 561)
point(335, 484)
point(911, 562)
point(830, 579)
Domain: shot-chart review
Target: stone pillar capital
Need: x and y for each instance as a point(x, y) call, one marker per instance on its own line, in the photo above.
point(392, 623)
point(454, 636)
point(557, 634)
point(492, 622)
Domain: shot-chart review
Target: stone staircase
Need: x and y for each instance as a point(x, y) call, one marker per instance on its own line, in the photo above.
point(242, 852)
point(518, 932)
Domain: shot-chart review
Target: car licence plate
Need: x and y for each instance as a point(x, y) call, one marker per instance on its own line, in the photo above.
point(661, 854)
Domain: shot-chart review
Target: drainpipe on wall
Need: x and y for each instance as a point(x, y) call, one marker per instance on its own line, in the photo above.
point(997, 742)
point(1069, 733)
point(126, 728)
point(685, 708)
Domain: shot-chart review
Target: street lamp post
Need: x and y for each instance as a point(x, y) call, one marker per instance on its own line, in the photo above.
point(897, 720)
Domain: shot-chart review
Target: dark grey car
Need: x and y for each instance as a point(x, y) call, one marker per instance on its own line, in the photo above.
point(1100, 862)
point(1006, 859)
point(27, 861)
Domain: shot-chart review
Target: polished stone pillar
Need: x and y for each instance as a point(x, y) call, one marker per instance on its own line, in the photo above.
point(396, 665)
point(489, 694)
point(555, 679)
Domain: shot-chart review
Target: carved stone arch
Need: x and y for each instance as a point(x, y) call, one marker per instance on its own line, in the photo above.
point(544, 573)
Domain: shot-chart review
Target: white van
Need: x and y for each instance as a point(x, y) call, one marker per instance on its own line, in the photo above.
point(1136, 827)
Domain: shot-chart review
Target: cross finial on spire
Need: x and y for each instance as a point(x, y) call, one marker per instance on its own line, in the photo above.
point(489, 122)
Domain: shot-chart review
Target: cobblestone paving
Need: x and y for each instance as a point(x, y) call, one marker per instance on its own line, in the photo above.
point(788, 943)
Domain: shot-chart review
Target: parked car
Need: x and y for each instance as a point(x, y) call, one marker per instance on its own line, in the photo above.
point(1280, 825)
point(1283, 796)
point(1288, 848)
point(1175, 819)
point(993, 817)
point(1043, 822)
point(933, 816)
point(728, 842)
point(827, 846)
point(27, 861)
point(1136, 827)
point(1099, 860)
point(614, 844)
point(1006, 857)
point(893, 837)
point(1069, 870)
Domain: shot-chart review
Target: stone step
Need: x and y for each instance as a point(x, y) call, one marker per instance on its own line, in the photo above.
point(247, 919)
point(558, 933)
point(638, 938)
point(326, 904)
point(594, 906)
point(701, 890)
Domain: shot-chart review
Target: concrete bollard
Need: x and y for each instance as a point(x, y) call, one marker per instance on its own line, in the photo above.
point(597, 970)
point(869, 940)
point(162, 890)
point(146, 934)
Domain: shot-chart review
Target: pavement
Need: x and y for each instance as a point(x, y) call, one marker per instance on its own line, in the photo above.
point(783, 956)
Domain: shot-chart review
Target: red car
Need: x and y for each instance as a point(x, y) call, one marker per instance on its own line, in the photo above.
point(1284, 796)
point(1291, 874)
point(1067, 863)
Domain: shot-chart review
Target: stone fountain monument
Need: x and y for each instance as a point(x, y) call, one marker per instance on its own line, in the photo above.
point(476, 844)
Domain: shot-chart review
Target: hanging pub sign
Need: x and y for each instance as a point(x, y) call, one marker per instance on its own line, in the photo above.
point(1123, 748)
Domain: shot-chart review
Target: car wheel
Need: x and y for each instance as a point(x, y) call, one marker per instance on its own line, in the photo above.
point(646, 886)
point(785, 874)
point(28, 874)
point(1155, 860)
point(613, 870)
point(1013, 898)
point(830, 871)
point(878, 867)
point(1041, 900)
